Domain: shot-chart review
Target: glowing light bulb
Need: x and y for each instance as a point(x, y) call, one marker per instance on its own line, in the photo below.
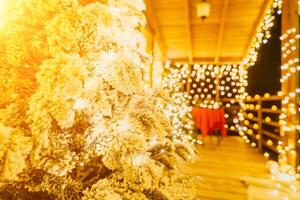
point(267, 119)
point(274, 108)
point(266, 155)
point(269, 142)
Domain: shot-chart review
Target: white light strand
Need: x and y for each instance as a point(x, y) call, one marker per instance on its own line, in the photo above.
point(263, 33)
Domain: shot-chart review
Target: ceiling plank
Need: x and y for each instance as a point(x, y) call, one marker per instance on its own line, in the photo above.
point(153, 24)
point(189, 32)
point(265, 5)
point(221, 31)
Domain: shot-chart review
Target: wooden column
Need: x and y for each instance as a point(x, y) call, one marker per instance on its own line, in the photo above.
point(219, 46)
point(190, 43)
point(260, 120)
point(188, 84)
point(218, 85)
point(290, 19)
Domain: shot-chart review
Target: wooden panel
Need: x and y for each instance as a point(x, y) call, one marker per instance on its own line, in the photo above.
point(205, 30)
point(177, 51)
point(170, 17)
point(174, 32)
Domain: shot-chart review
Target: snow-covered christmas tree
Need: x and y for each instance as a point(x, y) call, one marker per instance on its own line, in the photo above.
point(75, 121)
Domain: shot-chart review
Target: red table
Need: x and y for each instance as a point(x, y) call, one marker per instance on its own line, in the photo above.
point(209, 120)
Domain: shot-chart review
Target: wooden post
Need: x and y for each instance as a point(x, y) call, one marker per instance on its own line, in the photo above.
point(188, 84)
point(218, 84)
point(260, 119)
point(290, 19)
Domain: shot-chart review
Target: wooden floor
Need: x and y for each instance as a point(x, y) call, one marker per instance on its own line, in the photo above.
point(222, 167)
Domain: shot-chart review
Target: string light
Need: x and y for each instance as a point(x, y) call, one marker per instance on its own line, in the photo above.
point(229, 80)
point(263, 33)
point(289, 39)
point(179, 112)
point(290, 106)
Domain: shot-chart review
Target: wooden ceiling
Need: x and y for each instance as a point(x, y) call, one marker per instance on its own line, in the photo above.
point(224, 37)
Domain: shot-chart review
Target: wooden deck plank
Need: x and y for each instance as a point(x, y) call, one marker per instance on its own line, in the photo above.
point(222, 168)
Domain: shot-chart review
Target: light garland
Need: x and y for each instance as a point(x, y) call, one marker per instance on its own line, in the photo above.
point(179, 112)
point(227, 81)
point(290, 106)
point(263, 33)
point(290, 39)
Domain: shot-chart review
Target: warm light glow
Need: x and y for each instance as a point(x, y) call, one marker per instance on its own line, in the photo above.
point(289, 69)
point(267, 119)
point(180, 111)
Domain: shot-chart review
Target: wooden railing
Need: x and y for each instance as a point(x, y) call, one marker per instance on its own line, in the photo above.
point(260, 125)
point(265, 126)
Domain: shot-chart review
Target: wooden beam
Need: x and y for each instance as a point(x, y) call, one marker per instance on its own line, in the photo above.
point(189, 38)
point(153, 25)
point(188, 30)
point(209, 60)
point(221, 30)
point(219, 45)
point(265, 5)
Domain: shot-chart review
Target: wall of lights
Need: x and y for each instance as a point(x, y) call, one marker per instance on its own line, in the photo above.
point(211, 87)
point(211, 83)
point(179, 111)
